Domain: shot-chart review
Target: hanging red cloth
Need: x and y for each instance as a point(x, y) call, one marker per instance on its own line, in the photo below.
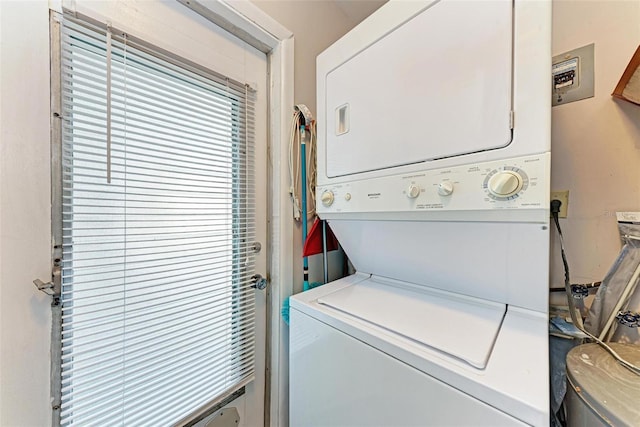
point(313, 243)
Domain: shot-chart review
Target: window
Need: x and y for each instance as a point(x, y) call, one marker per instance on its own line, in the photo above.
point(157, 232)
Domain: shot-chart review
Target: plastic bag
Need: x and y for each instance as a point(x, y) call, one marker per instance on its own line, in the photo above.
point(623, 277)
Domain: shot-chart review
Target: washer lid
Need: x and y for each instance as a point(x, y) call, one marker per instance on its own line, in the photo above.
point(461, 326)
point(610, 389)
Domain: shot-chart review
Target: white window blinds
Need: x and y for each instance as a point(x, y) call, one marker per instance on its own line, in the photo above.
point(158, 233)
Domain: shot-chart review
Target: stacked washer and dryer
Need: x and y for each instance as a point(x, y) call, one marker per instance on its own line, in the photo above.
point(433, 172)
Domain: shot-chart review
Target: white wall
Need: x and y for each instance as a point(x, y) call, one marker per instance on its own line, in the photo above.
point(25, 235)
point(595, 142)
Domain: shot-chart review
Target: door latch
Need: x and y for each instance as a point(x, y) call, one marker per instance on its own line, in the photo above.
point(259, 282)
point(52, 287)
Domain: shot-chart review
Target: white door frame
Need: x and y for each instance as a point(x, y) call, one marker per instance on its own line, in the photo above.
point(249, 23)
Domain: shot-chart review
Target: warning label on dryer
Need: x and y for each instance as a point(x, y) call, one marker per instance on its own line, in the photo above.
point(430, 206)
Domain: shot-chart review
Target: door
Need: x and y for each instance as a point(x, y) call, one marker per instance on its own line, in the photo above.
point(159, 215)
point(437, 86)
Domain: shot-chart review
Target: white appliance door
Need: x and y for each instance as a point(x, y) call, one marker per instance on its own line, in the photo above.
point(438, 86)
point(338, 380)
point(463, 327)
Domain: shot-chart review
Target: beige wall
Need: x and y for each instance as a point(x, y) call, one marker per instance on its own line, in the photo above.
point(595, 142)
point(315, 24)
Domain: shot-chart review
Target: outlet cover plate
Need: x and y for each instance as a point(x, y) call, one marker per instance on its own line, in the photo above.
point(563, 196)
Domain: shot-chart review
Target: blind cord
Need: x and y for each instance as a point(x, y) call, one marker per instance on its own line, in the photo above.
point(108, 71)
point(126, 228)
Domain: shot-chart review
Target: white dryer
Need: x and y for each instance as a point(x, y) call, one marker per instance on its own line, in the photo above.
point(433, 172)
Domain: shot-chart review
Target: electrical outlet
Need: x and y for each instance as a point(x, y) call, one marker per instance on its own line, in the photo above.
point(563, 196)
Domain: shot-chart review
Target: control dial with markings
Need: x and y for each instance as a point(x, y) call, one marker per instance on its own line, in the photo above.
point(506, 183)
point(413, 191)
point(327, 198)
point(445, 188)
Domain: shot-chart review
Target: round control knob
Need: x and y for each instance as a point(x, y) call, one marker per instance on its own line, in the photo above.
point(505, 184)
point(413, 191)
point(327, 198)
point(445, 188)
point(347, 197)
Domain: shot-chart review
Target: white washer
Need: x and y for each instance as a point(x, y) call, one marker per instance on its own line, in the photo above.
point(347, 371)
point(433, 172)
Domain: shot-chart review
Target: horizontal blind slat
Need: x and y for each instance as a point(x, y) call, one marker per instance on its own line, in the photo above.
point(188, 164)
point(123, 129)
point(184, 345)
point(193, 278)
point(216, 300)
point(116, 313)
point(159, 68)
point(93, 368)
point(82, 69)
point(141, 233)
point(139, 133)
point(182, 386)
point(174, 416)
point(95, 41)
point(209, 244)
point(144, 265)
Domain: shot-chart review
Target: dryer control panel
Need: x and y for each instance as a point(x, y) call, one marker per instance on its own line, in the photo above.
point(497, 185)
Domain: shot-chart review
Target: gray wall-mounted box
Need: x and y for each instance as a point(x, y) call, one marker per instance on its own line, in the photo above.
point(572, 75)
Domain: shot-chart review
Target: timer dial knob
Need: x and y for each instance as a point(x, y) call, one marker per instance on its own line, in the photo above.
point(327, 198)
point(445, 188)
point(505, 183)
point(413, 191)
